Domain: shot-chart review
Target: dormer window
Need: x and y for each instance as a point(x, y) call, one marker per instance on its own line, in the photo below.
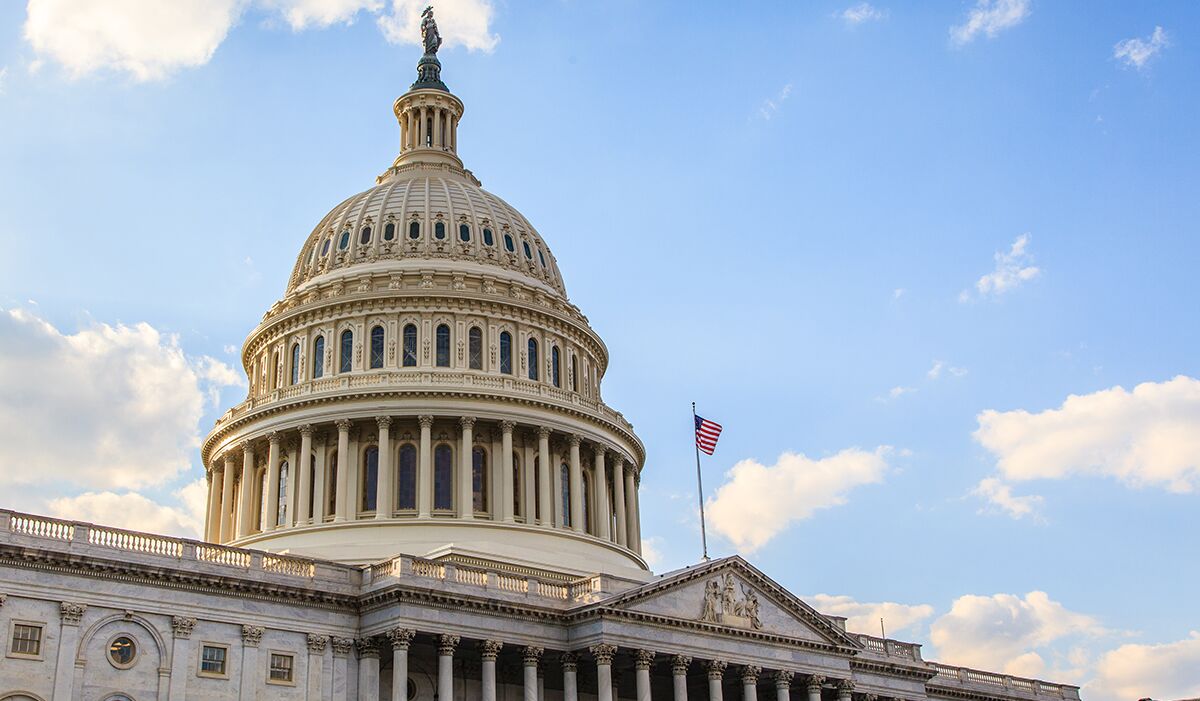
point(364, 236)
point(464, 233)
point(414, 230)
point(542, 258)
point(508, 243)
point(528, 252)
point(439, 231)
point(487, 237)
point(389, 231)
point(344, 241)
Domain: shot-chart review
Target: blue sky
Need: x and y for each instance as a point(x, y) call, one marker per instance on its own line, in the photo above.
point(847, 231)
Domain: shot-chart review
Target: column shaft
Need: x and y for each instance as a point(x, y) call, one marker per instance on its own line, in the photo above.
point(603, 520)
point(227, 476)
point(466, 506)
point(630, 515)
point(425, 482)
point(445, 683)
point(341, 499)
point(384, 489)
point(291, 485)
point(246, 497)
point(622, 534)
point(271, 513)
point(506, 477)
point(213, 532)
point(304, 465)
point(530, 682)
point(321, 485)
point(570, 678)
point(544, 494)
point(577, 523)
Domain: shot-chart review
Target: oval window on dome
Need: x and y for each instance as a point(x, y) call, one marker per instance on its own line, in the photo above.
point(464, 233)
point(325, 247)
point(542, 257)
point(364, 236)
point(344, 241)
point(414, 230)
point(439, 230)
point(528, 251)
point(389, 232)
point(508, 243)
point(487, 237)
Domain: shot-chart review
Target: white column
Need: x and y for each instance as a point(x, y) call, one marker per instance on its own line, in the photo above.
point(679, 670)
point(783, 685)
point(604, 657)
point(251, 637)
point(271, 513)
point(368, 669)
point(342, 499)
point(384, 489)
point(320, 487)
point(546, 493)
point(506, 476)
point(601, 480)
point(716, 670)
point(341, 682)
point(845, 689)
point(227, 477)
point(630, 510)
point(814, 687)
point(642, 659)
point(635, 515)
point(466, 505)
point(293, 482)
point(622, 534)
point(488, 650)
point(401, 638)
point(750, 682)
point(304, 464)
point(570, 662)
point(531, 656)
point(316, 664)
point(422, 133)
point(212, 533)
point(425, 478)
point(181, 657)
point(68, 640)
point(577, 523)
point(445, 681)
point(246, 497)
point(437, 128)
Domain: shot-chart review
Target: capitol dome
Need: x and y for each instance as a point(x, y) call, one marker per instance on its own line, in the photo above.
point(425, 387)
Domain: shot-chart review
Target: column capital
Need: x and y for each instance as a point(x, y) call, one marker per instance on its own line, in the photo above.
point(783, 678)
point(273, 437)
point(616, 460)
point(642, 659)
point(425, 420)
point(603, 653)
point(845, 687)
point(252, 635)
point(574, 440)
point(317, 643)
point(680, 664)
point(305, 430)
point(447, 643)
point(367, 647)
point(815, 681)
point(341, 646)
point(490, 649)
point(569, 661)
point(230, 456)
point(383, 422)
point(870, 697)
point(401, 637)
point(466, 422)
point(600, 450)
point(343, 425)
point(531, 654)
point(71, 613)
point(716, 668)
point(508, 426)
point(247, 447)
point(181, 626)
point(750, 674)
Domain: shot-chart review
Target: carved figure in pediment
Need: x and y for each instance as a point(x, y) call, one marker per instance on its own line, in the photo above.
point(711, 594)
point(729, 603)
point(750, 607)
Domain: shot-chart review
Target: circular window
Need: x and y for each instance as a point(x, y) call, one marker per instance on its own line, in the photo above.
point(122, 652)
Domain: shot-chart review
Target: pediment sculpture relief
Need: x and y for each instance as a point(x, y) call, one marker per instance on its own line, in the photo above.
point(722, 604)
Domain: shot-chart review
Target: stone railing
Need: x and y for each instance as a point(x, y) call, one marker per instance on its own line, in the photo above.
point(949, 675)
point(890, 648)
point(415, 569)
point(85, 538)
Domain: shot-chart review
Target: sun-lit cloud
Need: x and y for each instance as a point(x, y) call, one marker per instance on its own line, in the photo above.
point(1162, 671)
point(999, 495)
point(940, 366)
point(303, 14)
point(770, 106)
point(133, 511)
point(464, 23)
point(862, 12)
point(989, 17)
point(863, 617)
point(1014, 268)
point(1137, 52)
point(3, 79)
point(757, 502)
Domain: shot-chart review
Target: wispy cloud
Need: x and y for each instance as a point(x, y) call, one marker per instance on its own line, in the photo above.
point(1013, 268)
point(989, 17)
point(1137, 52)
point(3, 79)
point(770, 106)
point(862, 12)
point(999, 495)
point(898, 293)
point(939, 366)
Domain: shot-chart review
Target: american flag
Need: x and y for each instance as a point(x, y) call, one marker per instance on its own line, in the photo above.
point(706, 434)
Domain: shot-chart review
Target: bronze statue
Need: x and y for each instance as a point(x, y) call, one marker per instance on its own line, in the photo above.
point(429, 32)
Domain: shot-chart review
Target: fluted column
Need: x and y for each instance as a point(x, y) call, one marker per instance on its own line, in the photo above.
point(227, 477)
point(321, 485)
point(750, 682)
point(488, 651)
point(631, 536)
point(602, 514)
point(271, 513)
point(401, 638)
point(466, 504)
point(507, 489)
point(577, 523)
point(212, 531)
point(425, 479)
point(570, 662)
point(546, 494)
point(813, 686)
point(716, 671)
point(445, 682)
point(246, 496)
point(341, 499)
point(531, 656)
point(635, 542)
point(422, 134)
point(437, 129)
point(618, 469)
point(368, 669)
point(679, 670)
point(783, 685)
point(384, 489)
point(304, 465)
point(292, 457)
point(845, 689)
point(604, 657)
point(642, 659)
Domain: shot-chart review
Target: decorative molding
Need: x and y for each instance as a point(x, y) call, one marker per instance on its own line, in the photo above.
point(3, 600)
point(603, 653)
point(425, 420)
point(273, 438)
point(383, 422)
point(317, 643)
point(447, 643)
point(181, 626)
point(507, 426)
point(252, 635)
point(71, 613)
point(368, 647)
point(466, 422)
point(642, 659)
point(341, 646)
point(845, 687)
point(783, 678)
point(401, 637)
point(574, 440)
point(343, 425)
point(815, 681)
point(750, 674)
point(569, 661)
point(716, 668)
point(722, 605)
point(531, 654)
point(490, 649)
point(680, 664)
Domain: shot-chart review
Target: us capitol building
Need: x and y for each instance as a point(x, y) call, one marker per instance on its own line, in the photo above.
point(423, 497)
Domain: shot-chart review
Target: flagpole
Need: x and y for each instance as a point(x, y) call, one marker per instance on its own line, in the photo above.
point(700, 487)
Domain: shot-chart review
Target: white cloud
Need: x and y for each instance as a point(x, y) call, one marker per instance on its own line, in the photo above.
point(935, 372)
point(1137, 52)
point(863, 617)
point(1007, 633)
point(990, 17)
point(461, 23)
point(145, 38)
point(1013, 268)
point(3, 79)
point(1146, 437)
point(895, 393)
point(1164, 671)
point(302, 14)
point(898, 292)
point(862, 12)
point(1000, 495)
point(108, 407)
point(770, 106)
point(757, 502)
point(133, 511)
point(652, 551)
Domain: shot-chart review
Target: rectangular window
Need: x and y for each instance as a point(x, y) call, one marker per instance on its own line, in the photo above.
point(26, 640)
point(281, 668)
point(212, 660)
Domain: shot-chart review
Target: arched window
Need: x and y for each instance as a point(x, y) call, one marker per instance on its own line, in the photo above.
point(487, 237)
point(377, 347)
point(443, 346)
point(443, 477)
point(364, 236)
point(414, 230)
point(406, 474)
point(439, 230)
point(574, 373)
point(587, 503)
point(370, 478)
point(564, 478)
point(506, 352)
point(533, 359)
point(344, 241)
point(555, 377)
point(281, 509)
point(410, 346)
point(331, 484)
point(389, 231)
point(518, 484)
point(475, 348)
point(325, 247)
point(508, 243)
point(274, 370)
point(345, 362)
point(528, 252)
point(295, 363)
point(319, 357)
point(464, 233)
point(542, 257)
point(479, 480)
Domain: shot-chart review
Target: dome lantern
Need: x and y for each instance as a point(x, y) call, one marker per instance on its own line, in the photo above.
point(428, 113)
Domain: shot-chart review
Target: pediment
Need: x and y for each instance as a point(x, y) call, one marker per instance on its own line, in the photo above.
point(731, 595)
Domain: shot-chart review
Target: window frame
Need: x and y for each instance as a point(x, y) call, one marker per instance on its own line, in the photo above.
point(271, 655)
point(404, 349)
point(416, 469)
point(366, 483)
point(533, 359)
point(506, 359)
point(452, 477)
point(345, 354)
point(481, 472)
point(475, 348)
point(41, 639)
point(382, 350)
point(295, 374)
point(318, 357)
point(137, 651)
point(200, 671)
point(443, 345)
point(365, 234)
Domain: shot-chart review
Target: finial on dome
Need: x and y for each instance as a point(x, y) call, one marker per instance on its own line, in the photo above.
point(429, 69)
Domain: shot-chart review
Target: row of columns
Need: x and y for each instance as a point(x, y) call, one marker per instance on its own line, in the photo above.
point(617, 520)
point(400, 639)
point(428, 127)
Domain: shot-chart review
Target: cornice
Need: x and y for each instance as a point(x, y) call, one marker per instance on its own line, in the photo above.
point(893, 669)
